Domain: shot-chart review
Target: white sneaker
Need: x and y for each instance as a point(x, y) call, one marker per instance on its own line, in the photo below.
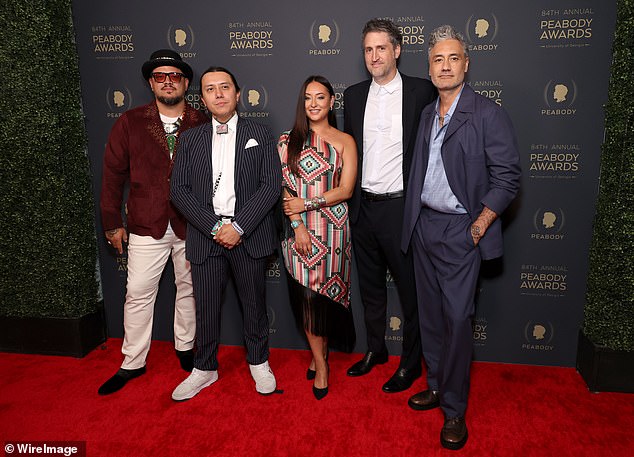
point(263, 377)
point(194, 383)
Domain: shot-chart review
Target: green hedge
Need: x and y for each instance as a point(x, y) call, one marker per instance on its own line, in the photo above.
point(609, 310)
point(47, 233)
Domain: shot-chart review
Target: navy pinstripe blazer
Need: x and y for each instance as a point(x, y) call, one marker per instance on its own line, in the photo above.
point(258, 180)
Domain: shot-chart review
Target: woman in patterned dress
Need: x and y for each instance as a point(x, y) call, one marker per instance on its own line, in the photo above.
point(319, 167)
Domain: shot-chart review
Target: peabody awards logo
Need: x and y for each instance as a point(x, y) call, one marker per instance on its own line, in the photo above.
point(413, 30)
point(250, 39)
point(122, 264)
point(395, 329)
point(339, 89)
point(112, 41)
point(254, 101)
point(192, 97)
point(548, 224)
point(489, 89)
point(480, 327)
point(559, 98)
point(565, 28)
point(324, 36)
point(538, 336)
point(118, 101)
point(273, 271)
point(180, 38)
point(544, 280)
point(271, 314)
point(481, 31)
point(548, 161)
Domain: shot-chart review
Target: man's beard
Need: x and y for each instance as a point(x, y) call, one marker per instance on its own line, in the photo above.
point(170, 101)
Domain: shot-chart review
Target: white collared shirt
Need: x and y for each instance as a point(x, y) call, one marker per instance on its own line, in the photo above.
point(223, 159)
point(383, 138)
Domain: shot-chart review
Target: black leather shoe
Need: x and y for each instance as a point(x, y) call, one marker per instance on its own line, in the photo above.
point(119, 380)
point(454, 433)
point(186, 359)
point(402, 380)
point(422, 401)
point(366, 364)
point(310, 374)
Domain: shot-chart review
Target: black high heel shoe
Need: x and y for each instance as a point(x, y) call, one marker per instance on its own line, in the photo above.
point(310, 374)
point(320, 393)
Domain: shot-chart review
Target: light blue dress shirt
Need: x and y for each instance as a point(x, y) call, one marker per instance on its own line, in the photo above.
point(437, 194)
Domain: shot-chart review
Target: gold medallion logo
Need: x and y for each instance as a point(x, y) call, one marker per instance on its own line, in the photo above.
point(481, 32)
point(181, 38)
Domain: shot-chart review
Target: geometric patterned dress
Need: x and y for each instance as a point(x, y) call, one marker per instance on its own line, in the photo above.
point(319, 283)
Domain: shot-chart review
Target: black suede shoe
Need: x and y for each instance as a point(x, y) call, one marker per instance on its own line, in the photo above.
point(402, 380)
point(422, 401)
point(366, 364)
point(119, 380)
point(186, 359)
point(454, 433)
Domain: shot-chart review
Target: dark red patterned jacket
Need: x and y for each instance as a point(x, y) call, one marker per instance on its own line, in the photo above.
point(137, 152)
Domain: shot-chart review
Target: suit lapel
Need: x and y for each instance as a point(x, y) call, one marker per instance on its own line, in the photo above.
point(463, 112)
point(363, 100)
point(409, 113)
point(241, 141)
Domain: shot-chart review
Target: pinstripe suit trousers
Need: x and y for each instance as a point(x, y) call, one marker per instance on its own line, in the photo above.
point(210, 279)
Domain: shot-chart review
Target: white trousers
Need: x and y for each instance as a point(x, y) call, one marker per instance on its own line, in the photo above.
point(146, 261)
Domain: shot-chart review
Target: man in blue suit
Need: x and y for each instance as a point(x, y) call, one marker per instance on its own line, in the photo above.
point(465, 172)
point(226, 179)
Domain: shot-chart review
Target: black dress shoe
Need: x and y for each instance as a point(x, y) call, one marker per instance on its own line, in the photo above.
point(402, 380)
point(119, 380)
point(454, 433)
point(422, 401)
point(310, 374)
point(366, 364)
point(186, 359)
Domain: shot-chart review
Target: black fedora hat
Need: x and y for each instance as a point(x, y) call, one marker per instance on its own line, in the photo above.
point(166, 57)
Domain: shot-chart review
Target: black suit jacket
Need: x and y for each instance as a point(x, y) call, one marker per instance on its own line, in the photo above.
point(417, 93)
point(258, 180)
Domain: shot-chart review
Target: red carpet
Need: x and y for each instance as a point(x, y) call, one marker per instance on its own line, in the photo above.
point(513, 410)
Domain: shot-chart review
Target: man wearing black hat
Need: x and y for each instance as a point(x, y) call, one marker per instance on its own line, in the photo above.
point(141, 150)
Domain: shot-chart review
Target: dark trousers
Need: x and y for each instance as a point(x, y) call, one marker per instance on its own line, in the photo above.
point(447, 265)
point(210, 280)
point(376, 239)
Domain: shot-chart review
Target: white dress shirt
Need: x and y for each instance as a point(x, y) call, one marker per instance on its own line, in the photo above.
point(383, 138)
point(223, 159)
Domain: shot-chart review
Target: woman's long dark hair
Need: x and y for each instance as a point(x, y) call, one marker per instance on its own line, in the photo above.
point(299, 133)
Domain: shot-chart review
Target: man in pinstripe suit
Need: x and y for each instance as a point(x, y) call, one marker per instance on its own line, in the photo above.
point(226, 180)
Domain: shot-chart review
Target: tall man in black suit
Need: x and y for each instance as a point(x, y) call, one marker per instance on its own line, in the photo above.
point(226, 179)
point(382, 115)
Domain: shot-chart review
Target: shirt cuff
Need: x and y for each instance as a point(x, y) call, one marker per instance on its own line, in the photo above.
point(237, 227)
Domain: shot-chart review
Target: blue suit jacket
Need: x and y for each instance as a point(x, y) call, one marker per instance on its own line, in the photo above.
point(258, 180)
point(481, 160)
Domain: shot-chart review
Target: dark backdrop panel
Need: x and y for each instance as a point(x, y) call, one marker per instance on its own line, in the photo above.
point(546, 62)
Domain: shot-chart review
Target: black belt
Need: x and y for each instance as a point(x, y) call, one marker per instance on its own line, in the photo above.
point(369, 196)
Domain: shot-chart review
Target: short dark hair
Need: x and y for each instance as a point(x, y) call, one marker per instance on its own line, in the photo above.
point(218, 70)
point(384, 25)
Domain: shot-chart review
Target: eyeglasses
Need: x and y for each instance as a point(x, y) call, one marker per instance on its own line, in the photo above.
point(174, 76)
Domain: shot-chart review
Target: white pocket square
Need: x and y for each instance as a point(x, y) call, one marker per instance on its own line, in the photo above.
point(251, 143)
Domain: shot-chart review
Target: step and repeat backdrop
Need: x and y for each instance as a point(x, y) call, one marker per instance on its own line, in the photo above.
point(546, 62)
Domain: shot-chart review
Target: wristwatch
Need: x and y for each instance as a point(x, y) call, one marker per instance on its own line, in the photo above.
point(296, 223)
